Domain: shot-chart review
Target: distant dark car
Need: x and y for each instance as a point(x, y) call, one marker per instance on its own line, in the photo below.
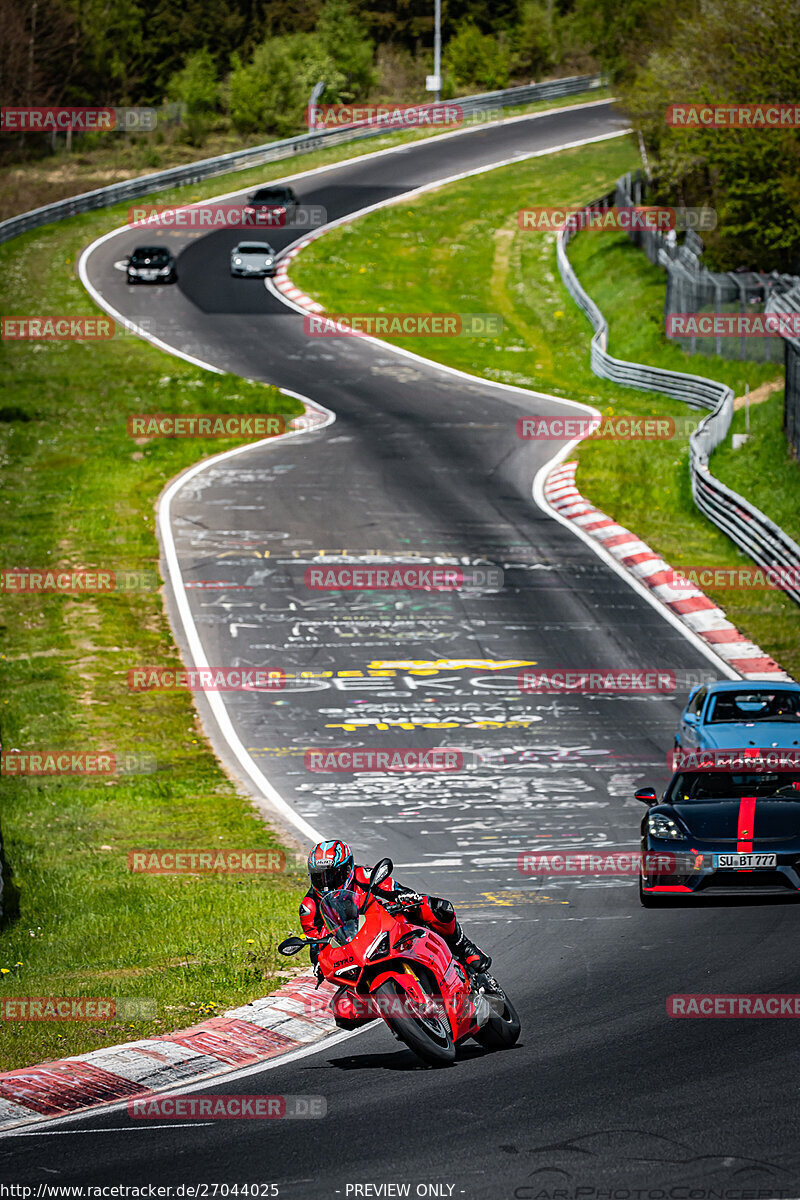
point(253, 260)
point(274, 205)
point(151, 264)
point(721, 833)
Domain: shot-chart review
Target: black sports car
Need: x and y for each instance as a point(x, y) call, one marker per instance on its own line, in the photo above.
point(151, 264)
point(721, 833)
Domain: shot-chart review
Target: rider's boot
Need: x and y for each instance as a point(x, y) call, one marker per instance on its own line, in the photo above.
point(467, 953)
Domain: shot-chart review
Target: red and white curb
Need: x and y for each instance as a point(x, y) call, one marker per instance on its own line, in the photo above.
point(284, 284)
point(685, 600)
point(287, 1020)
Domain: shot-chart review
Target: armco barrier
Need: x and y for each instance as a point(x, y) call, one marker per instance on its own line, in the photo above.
point(304, 143)
point(749, 528)
point(790, 302)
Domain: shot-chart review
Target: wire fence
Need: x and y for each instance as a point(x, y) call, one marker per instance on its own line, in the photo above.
point(746, 525)
point(692, 288)
point(304, 143)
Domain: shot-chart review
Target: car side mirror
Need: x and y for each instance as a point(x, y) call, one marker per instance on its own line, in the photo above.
point(382, 870)
point(646, 795)
point(690, 718)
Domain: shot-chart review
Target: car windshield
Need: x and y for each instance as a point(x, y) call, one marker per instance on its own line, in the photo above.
point(341, 915)
point(762, 705)
point(727, 785)
point(154, 254)
point(270, 196)
point(254, 248)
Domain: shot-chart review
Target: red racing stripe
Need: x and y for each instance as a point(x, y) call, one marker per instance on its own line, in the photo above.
point(747, 816)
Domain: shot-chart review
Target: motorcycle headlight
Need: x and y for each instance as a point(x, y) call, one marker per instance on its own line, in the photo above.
point(659, 825)
point(380, 947)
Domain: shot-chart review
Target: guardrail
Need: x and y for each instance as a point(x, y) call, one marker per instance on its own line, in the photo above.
point(254, 156)
point(743, 523)
point(790, 302)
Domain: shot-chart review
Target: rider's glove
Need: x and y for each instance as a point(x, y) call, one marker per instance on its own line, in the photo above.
point(410, 899)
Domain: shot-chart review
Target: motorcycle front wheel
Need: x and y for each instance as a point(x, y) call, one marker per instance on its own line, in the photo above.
point(427, 1034)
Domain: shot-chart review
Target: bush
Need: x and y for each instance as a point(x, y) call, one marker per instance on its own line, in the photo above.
point(476, 59)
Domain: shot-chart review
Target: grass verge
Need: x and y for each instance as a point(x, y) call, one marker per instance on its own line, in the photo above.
point(463, 252)
point(32, 184)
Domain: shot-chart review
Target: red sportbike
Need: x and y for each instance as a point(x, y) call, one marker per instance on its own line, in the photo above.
point(385, 966)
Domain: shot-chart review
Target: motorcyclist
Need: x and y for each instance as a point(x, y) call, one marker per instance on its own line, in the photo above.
point(331, 867)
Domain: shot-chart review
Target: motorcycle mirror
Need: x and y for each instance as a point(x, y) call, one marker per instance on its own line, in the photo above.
point(646, 795)
point(290, 946)
point(382, 870)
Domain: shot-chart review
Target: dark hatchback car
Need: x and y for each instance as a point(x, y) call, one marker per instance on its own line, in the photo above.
point(151, 264)
point(275, 205)
point(721, 833)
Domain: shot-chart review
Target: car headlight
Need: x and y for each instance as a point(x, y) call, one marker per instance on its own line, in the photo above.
point(237, 262)
point(659, 825)
point(268, 262)
point(164, 270)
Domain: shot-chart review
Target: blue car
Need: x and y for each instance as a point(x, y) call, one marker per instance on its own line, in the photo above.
point(736, 714)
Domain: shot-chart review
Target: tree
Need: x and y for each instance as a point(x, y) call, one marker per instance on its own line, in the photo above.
point(341, 37)
point(197, 88)
point(532, 40)
point(732, 52)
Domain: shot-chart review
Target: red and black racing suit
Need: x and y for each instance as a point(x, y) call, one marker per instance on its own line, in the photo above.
point(437, 914)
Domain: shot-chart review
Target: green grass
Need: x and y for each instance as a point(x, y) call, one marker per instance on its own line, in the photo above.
point(459, 249)
point(80, 492)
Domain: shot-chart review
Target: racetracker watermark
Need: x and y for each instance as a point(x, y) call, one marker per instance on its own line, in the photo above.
point(414, 760)
point(728, 324)
point(733, 116)
point(77, 1008)
point(634, 219)
point(392, 116)
point(645, 680)
point(76, 762)
point(76, 120)
point(56, 329)
point(734, 1004)
point(605, 428)
point(227, 216)
point(213, 425)
point(403, 325)
point(226, 1108)
point(747, 759)
point(757, 579)
point(206, 679)
point(67, 582)
point(614, 862)
point(401, 577)
point(215, 861)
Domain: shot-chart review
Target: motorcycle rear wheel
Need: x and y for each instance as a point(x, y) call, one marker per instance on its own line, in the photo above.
point(430, 1038)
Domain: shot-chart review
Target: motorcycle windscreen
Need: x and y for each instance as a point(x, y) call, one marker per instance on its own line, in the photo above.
point(341, 913)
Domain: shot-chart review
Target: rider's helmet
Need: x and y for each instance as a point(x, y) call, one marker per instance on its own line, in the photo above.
point(330, 866)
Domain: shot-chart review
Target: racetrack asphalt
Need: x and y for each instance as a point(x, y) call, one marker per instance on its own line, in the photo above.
point(604, 1094)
